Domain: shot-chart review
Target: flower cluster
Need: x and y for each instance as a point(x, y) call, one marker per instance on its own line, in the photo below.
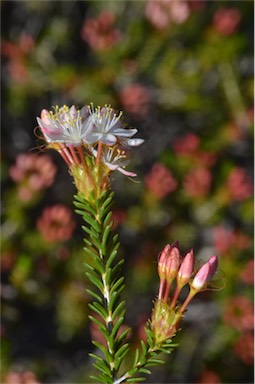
point(167, 313)
point(32, 173)
point(92, 141)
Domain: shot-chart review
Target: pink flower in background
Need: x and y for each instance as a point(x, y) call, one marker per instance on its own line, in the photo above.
point(239, 185)
point(21, 378)
point(226, 239)
point(247, 274)
point(135, 99)
point(226, 20)
point(197, 182)
point(161, 13)
point(160, 181)
point(244, 348)
point(99, 32)
point(33, 173)
point(18, 50)
point(239, 314)
point(209, 377)
point(187, 145)
point(17, 53)
point(56, 224)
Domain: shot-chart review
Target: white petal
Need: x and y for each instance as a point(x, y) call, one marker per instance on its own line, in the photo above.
point(134, 142)
point(123, 132)
point(108, 139)
point(132, 174)
point(93, 137)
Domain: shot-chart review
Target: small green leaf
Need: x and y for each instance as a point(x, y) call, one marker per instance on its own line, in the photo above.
point(95, 295)
point(101, 311)
point(117, 310)
point(116, 285)
point(117, 326)
point(135, 379)
point(95, 320)
point(94, 280)
point(111, 258)
point(144, 347)
point(107, 219)
point(92, 222)
point(104, 350)
point(122, 336)
point(106, 234)
point(122, 351)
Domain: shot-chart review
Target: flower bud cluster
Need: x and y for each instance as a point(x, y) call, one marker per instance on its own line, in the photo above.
point(167, 312)
point(92, 141)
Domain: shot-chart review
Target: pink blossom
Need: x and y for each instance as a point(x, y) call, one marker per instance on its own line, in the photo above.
point(239, 185)
point(99, 32)
point(160, 181)
point(135, 99)
point(244, 348)
point(161, 13)
point(226, 20)
point(33, 173)
point(247, 273)
point(56, 224)
point(26, 377)
point(238, 313)
point(226, 240)
point(187, 144)
point(197, 182)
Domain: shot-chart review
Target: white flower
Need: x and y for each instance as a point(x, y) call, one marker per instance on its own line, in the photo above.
point(66, 125)
point(114, 159)
point(107, 127)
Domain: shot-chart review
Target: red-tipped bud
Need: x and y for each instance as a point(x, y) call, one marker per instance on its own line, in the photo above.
point(169, 262)
point(186, 269)
point(172, 263)
point(162, 261)
point(213, 261)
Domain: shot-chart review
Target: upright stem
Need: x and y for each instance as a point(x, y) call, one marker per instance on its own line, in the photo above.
point(103, 273)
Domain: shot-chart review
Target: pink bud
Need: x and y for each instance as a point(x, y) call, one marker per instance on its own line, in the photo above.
point(169, 261)
point(172, 262)
point(186, 269)
point(162, 260)
point(213, 261)
point(201, 277)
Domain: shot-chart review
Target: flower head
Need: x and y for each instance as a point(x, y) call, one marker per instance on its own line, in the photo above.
point(56, 223)
point(66, 125)
point(32, 173)
point(107, 127)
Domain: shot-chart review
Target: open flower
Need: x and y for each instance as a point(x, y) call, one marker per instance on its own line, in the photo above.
point(115, 159)
point(66, 125)
point(107, 127)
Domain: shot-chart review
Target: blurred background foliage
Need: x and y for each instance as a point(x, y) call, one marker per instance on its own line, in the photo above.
point(182, 72)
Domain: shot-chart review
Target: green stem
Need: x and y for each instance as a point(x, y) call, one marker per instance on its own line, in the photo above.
point(103, 273)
